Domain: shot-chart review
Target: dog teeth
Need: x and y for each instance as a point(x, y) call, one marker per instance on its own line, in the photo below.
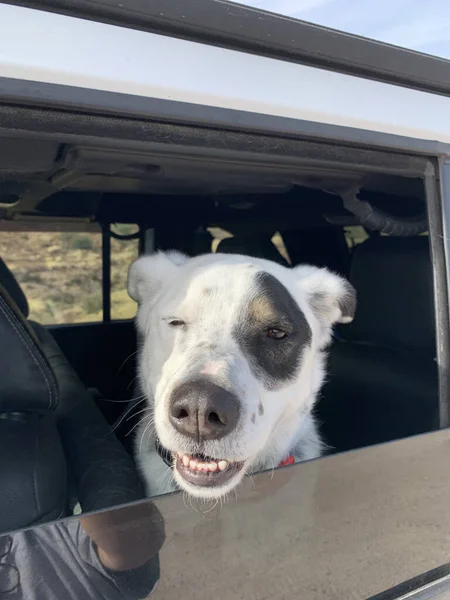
point(194, 464)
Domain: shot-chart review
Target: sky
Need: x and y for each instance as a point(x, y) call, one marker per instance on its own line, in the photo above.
point(422, 25)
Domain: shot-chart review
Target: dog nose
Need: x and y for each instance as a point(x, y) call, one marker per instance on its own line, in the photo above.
point(203, 410)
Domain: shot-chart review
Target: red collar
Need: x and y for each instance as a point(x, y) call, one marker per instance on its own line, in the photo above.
point(290, 460)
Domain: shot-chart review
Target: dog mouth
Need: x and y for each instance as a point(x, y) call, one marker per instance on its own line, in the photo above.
point(204, 471)
point(199, 469)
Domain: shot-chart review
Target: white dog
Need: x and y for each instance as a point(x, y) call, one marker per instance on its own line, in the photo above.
point(231, 363)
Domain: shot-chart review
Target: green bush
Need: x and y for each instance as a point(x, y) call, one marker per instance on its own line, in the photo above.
point(81, 242)
point(30, 277)
point(92, 303)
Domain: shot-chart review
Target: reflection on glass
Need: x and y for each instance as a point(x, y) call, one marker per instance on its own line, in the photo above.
point(111, 555)
point(9, 574)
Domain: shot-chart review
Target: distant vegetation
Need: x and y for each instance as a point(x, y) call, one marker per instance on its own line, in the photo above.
point(61, 274)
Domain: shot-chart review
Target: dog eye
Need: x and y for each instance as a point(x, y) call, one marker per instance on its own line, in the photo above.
point(176, 323)
point(276, 334)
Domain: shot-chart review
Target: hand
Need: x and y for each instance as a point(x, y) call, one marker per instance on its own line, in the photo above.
point(126, 537)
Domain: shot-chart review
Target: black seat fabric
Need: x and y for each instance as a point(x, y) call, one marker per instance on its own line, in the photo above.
point(101, 471)
point(13, 288)
point(382, 382)
point(394, 281)
point(32, 463)
point(319, 246)
point(259, 246)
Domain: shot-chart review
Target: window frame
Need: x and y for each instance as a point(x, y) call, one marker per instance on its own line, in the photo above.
point(106, 265)
point(266, 34)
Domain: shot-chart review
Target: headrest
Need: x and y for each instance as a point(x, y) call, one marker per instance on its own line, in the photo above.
point(393, 278)
point(258, 247)
point(27, 381)
point(11, 285)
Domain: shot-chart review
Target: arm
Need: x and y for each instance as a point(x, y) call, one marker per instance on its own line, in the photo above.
point(126, 538)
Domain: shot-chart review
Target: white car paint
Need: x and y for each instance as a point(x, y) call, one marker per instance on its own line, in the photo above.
point(45, 47)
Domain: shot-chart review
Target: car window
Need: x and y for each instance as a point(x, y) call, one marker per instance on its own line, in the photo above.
point(218, 235)
point(221, 234)
point(359, 526)
point(59, 271)
point(355, 235)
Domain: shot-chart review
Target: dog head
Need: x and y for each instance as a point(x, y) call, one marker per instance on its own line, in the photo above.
point(232, 358)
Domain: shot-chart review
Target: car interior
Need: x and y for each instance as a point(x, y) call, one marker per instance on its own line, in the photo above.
point(68, 389)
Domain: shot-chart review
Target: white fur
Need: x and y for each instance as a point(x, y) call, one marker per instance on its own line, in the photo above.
point(209, 293)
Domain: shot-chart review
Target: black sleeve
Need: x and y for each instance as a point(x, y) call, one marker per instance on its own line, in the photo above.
point(139, 583)
point(135, 584)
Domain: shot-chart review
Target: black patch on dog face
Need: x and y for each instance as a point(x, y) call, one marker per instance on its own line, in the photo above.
point(276, 361)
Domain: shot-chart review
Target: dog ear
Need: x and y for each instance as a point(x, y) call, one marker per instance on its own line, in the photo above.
point(148, 273)
point(331, 297)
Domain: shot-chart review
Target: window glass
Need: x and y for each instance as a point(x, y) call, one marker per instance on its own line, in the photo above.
point(355, 235)
point(221, 234)
point(123, 253)
point(60, 273)
point(277, 239)
point(218, 235)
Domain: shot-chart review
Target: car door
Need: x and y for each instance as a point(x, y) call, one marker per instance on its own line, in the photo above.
point(370, 523)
